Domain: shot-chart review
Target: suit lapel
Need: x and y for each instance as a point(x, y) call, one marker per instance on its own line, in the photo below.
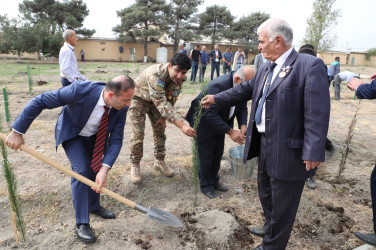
point(89, 105)
point(262, 82)
point(278, 80)
point(230, 84)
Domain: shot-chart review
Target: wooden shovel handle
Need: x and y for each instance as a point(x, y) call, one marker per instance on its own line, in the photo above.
point(71, 173)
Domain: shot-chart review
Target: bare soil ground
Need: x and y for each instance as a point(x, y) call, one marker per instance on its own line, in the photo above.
point(326, 219)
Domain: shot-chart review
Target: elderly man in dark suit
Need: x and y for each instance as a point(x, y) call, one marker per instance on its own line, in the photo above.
point(287, 127)
point(367, 91)
point(90, 127)
point(214, 124)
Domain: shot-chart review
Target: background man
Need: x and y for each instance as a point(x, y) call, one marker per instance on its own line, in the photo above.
point(227, 60)
point(195, 57)
point(259, 59)
point(82, 55)
point(335, 68)
point(239, 58)
point(182, 49)
point(67, 60)
point(213, 126)
point(367, 91)
point(204, 61)
point(77, 129)
point(293, 100)
point(157, 90)
point(215, 57)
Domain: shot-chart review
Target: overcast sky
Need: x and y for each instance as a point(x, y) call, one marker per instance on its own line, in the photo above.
point(355, 30)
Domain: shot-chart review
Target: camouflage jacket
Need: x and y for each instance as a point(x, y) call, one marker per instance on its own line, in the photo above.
point(154, 85)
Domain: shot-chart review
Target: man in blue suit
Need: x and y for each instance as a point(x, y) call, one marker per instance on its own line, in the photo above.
point(84, 104)
point(287, 128)
point(367, 91)
point(213, 126)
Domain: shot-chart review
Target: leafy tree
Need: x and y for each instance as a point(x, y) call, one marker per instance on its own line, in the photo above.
point(143, 21)
point(49, 18)
point(60, 15)
point(217, 23)
point(319, 31)
point(16, 37)
point(370, 53)
point(180, 19)
point(246, 29)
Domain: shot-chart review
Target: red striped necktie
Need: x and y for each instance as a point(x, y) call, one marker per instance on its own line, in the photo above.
point(97, 159)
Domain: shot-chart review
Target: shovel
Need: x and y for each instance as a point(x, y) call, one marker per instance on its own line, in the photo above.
point(152, 212)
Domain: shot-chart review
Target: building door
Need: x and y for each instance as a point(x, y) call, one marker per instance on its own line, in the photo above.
point(132, 54)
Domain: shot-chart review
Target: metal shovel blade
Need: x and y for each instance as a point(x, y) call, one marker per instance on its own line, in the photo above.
point(160, 216)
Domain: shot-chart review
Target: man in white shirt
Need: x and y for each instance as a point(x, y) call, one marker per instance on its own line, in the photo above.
point(67, 60)
point(239, 58)
point(342, 76)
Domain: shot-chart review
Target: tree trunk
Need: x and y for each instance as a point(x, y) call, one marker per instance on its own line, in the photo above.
point(146, 44)
point(176, 37)
point(145, 48)
point(214, 31)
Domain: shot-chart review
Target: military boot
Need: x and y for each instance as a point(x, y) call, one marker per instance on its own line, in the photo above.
point(135, 173)
point(161, 166)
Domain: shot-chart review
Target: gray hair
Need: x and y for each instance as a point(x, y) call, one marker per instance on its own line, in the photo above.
point(277, 27)
point(67, 33)
point(240, 73)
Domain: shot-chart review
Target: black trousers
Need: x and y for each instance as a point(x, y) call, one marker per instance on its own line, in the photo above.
point(210, 154)
point(280, 201)
point(65, 82)
point(373, 195)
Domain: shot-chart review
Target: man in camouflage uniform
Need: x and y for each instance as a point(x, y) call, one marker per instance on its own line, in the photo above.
point(157, 89)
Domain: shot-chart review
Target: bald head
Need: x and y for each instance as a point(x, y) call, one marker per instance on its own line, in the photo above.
point(120, 84)
point(244, 74)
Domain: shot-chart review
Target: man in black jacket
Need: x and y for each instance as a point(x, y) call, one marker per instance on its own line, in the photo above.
point(213, 126)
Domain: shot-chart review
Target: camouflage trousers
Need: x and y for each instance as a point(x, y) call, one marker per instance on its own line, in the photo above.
point(138, 111)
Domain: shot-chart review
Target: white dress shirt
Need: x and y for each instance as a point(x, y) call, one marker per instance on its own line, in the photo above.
point(280, 61)
point(346, 76)
point(216, 54)
point(68, 64)
point(92, 124)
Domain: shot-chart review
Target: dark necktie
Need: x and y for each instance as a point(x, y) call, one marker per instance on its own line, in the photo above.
point(96, 161)
point(267, 85)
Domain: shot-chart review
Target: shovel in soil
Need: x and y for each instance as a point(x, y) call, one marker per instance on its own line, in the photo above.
point(152, 212)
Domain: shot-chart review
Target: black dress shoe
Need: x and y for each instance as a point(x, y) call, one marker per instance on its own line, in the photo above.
point(220, 187)
point(104, 213)
point(367, 238)
point(259, 247)
point(311, 184)
point(84, 233)
point(211, 194)
point(257, 231)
